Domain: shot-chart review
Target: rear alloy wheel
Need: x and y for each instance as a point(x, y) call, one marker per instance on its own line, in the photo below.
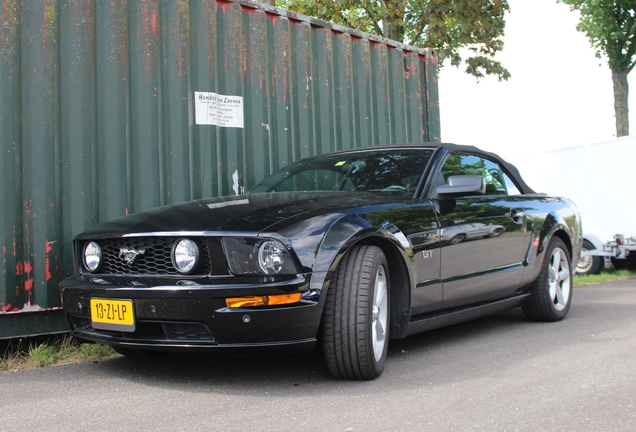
point(588, 265)
point(357, 315)
point(552, 293)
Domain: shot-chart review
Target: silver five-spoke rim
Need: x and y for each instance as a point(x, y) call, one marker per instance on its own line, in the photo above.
point(379, 313)
point(559, 279)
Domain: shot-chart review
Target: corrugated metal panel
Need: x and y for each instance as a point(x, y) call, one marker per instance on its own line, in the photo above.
point(97, 114)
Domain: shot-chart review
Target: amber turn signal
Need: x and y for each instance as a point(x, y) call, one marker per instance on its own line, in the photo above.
point(268, 300)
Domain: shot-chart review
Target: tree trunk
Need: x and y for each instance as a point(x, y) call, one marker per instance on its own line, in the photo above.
point(394, 31)
point(393, 20)
point(621, 110)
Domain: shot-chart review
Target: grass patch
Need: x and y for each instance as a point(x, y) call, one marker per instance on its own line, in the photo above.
point(20, 355)
point(97, 350)
point(604, 276)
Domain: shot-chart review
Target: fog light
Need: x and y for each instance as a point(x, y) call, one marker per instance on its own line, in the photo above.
point(185, 255)
point(92, 256)
point(268, 300)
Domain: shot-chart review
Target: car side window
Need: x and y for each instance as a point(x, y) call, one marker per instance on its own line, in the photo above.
point(497, 182)
point(510, 186)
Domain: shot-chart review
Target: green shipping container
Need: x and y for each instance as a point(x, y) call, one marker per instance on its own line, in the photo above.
point(109, 107)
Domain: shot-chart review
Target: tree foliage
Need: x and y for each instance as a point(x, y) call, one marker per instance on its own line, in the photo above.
point(610, 25)
point(462, 31)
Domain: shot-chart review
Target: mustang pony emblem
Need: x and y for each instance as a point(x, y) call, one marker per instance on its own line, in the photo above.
point(129, 254)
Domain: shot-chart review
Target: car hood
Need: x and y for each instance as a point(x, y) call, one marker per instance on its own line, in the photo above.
point(245, 213)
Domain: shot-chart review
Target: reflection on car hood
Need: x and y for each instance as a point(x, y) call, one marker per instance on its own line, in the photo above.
point(244, 213)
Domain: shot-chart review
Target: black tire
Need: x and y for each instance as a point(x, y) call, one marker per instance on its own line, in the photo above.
point(552, 292)
point(591, 264)
point(356, 316)
point(135, 352)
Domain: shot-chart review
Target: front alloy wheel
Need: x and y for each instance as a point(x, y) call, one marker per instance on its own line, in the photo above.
point(380, 313)
point(357, 315)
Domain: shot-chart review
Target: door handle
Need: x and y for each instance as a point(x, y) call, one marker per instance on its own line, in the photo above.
point(516, 216)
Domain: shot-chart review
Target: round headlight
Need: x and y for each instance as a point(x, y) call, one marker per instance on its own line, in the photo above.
point(271, 257)
point(185, 255)
point(92, 256)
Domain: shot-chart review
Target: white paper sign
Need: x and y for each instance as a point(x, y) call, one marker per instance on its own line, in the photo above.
point(218, 110)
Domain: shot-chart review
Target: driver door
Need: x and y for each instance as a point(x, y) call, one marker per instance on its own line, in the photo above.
point(482, 237)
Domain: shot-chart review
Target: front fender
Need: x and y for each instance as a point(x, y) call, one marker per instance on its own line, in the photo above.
point(321, 241)
point(352, 230)
point(349, 231)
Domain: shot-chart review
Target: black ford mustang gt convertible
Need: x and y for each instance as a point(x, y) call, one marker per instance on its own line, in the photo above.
point(348, 249)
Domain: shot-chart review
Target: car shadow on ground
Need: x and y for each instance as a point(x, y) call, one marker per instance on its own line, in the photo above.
point(466, 351)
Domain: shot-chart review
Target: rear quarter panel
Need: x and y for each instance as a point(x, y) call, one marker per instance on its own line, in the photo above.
point(549, 216)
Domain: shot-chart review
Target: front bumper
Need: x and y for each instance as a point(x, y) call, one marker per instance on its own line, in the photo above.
point(173, 316)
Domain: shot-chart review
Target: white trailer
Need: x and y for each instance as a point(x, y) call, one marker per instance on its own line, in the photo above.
point(598, 178)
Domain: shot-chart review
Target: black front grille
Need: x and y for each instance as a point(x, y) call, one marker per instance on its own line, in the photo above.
point(155, 260)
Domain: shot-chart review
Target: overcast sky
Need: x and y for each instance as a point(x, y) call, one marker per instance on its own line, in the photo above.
point(558, 95)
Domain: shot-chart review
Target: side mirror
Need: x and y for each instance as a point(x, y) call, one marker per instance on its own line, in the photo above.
point(462, 186)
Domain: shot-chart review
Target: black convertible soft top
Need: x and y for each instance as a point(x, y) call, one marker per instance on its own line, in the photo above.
point(509, 168)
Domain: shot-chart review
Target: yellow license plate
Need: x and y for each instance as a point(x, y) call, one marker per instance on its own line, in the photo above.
point(116, 315)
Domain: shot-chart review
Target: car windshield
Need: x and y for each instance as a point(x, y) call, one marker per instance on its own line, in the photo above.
point(395, 171)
